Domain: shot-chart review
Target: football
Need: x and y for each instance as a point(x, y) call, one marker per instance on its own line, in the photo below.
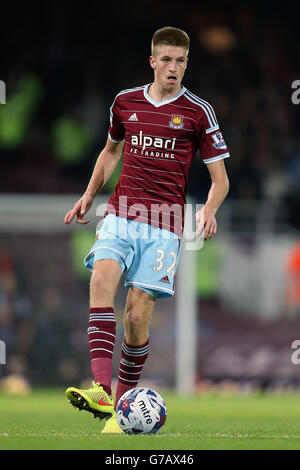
point(141, 411)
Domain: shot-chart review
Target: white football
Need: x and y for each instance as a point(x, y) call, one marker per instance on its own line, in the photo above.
point(141, 411)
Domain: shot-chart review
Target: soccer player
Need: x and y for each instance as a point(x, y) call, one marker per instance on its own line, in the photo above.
point(158, 127)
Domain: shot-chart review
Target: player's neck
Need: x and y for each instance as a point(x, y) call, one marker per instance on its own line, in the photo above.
point(158, 93)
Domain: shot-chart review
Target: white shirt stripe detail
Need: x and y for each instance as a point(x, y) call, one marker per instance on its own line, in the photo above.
point(211, 123)
point(123, 92)
point(155, 124)
point(155, 112)
point(148, 190)
point(206, 104)
point(151, 181)
point(218, 157)
point(148, 199)
point(211, 129)
point(151, 169)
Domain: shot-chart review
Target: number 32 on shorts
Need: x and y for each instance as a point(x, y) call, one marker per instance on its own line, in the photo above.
point(160, 260)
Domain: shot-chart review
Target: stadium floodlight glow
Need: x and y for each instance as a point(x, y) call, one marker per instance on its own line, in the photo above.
point(2, 92)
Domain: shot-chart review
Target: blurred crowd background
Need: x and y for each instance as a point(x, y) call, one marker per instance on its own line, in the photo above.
point(63, 68)
point(63, 64)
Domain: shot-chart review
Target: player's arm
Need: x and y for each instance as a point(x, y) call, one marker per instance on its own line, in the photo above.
point(217, 193)
point(103, 169)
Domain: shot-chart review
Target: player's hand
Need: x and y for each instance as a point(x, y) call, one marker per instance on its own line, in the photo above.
point(79, 210)
point(206, 222)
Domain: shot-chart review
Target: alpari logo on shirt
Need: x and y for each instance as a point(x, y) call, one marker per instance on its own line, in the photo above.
point(219, 142)
point(176, 121)
point(157, 142)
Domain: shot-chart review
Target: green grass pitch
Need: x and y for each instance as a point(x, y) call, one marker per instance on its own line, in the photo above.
point(45, 420)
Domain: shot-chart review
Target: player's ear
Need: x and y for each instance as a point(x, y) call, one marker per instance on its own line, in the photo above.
point(152, 62)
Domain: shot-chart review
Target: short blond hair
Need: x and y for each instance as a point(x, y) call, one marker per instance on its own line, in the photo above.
point(170, 36)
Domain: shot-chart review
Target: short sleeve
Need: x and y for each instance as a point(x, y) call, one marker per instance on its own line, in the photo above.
point(211, 143)
point(116, 131)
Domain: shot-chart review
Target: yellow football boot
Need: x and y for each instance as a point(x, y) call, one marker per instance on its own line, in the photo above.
point(95, 400)
point(111, 426)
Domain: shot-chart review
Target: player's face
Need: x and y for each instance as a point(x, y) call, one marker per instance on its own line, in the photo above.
point(169, 64)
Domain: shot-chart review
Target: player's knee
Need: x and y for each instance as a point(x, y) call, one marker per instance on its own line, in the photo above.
point(100, 285)
point(135, 320)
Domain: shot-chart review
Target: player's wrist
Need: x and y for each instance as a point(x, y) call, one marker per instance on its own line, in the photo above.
point(90, 193)
point(212, 209)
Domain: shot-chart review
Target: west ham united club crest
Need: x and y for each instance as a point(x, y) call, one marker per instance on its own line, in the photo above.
point(176, 121)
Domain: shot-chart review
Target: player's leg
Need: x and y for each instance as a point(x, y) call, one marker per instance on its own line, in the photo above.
point(102, 324)
point(135, 347)
point(150, 276)
point(101, 333)
point(104, 282)
point(137, 315)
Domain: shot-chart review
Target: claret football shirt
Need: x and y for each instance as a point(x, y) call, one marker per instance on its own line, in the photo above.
point(161, 140)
